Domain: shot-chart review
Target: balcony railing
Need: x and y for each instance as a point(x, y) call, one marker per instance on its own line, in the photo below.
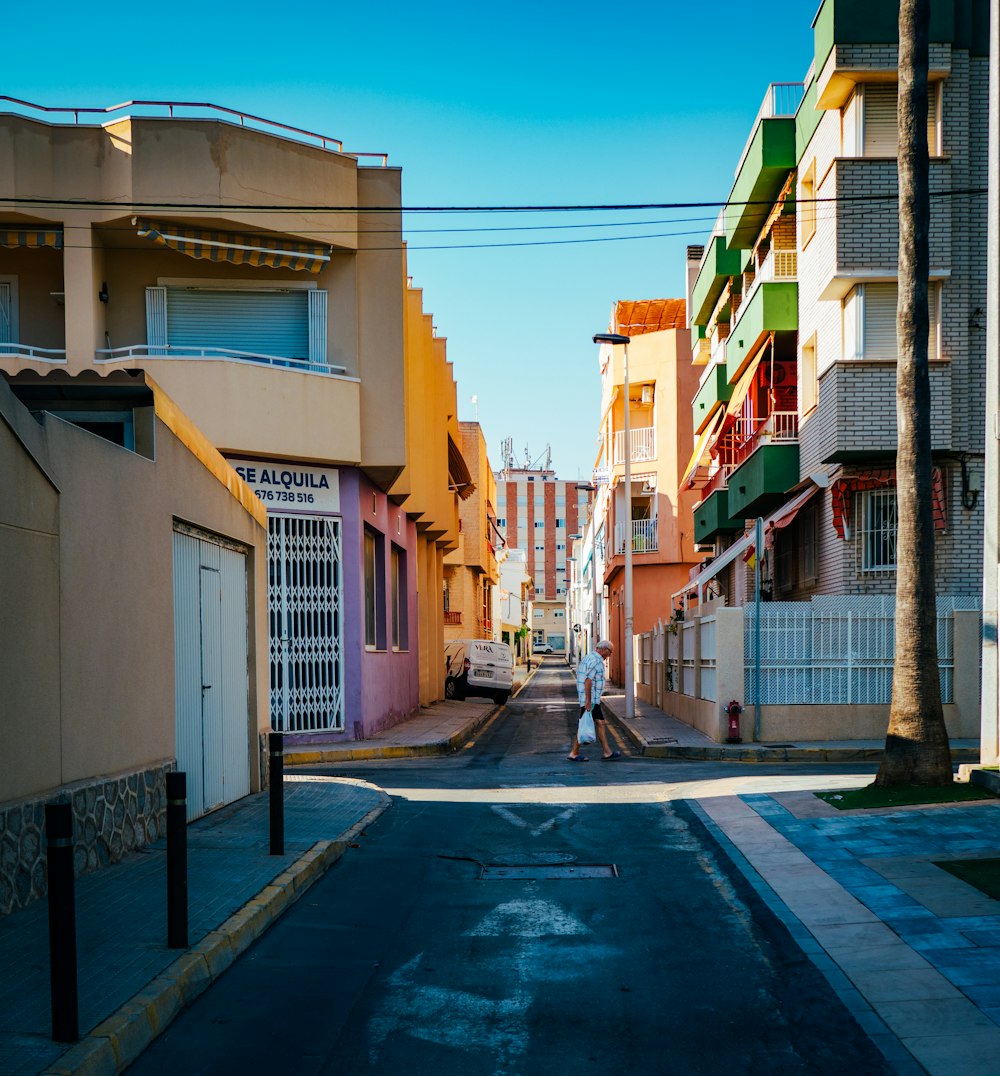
point(643, 444)
point(778, 265)
point(745, 437)
point(107, 356)
point(702, 353)
point(643, 536)
point(452, 617)
point(28, 351)
point(780, 99)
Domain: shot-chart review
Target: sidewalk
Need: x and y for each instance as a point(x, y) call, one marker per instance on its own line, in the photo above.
point(913, 952)
point(658, 735)
point(130, 984)
point(438, 729)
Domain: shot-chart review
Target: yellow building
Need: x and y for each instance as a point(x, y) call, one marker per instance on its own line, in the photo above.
point(471, 572)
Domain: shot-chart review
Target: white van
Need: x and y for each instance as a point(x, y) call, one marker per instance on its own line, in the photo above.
point(478, 667)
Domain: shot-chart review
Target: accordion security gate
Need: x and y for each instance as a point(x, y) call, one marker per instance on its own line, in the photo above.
point(305, 623)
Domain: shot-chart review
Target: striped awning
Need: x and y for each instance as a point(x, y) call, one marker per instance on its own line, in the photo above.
point(741, 389)
point(31, 237)
point(276, 252)
point(844, 487)
point(458, 472)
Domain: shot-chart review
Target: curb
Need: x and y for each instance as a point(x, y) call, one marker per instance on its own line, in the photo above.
point(762, 753)
point(119, 1040)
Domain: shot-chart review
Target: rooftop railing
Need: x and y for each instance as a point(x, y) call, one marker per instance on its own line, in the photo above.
point(780, 99)
point(245, 119)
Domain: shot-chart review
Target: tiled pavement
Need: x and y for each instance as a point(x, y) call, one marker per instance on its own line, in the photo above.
point(911, 950)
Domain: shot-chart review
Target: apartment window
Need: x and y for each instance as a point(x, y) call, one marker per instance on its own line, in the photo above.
point(869, 313)
point(539, 548)
point(809, 377)
point(501, 522)
point(879, 118)
point(400, 632)
point(259, 324)
point(558, 613)
point(374, 590)
point(806, 207)
point(876, 515)
point(560, 522)
point(539, 523)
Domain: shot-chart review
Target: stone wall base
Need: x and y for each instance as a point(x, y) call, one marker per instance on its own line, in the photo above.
point(112, 816)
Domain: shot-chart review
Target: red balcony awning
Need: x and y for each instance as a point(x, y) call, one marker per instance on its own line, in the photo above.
point(843, 489)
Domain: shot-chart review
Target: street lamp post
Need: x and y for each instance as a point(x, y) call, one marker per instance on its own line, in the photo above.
point(615, 339)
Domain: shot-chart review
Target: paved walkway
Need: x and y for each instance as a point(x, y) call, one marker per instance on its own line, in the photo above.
point(130, 984)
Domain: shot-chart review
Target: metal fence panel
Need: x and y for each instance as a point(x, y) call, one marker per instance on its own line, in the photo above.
point(836, 649)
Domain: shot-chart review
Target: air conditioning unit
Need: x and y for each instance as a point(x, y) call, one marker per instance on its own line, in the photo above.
point(647, 394)
point(647, 490)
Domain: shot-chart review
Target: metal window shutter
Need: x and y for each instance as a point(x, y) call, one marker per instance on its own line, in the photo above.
point(259, 322)
point(6, 322)
point(881, 124)
point(881, 119)
point(880, 321)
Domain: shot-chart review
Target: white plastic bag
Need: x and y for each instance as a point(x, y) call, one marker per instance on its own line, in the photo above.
point(585, 731)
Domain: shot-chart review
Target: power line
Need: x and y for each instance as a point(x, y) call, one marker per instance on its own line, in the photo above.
point(97, 203)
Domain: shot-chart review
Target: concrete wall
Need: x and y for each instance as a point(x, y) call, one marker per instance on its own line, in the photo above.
point(87, 629)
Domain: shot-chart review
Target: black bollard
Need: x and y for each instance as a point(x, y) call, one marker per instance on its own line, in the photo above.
point(177, 867)
point(62, 922)
point(276, 774)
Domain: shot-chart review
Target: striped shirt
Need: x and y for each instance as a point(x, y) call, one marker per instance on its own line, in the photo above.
point(591, 667)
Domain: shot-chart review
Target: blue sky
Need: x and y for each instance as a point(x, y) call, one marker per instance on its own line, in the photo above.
point(552, 104)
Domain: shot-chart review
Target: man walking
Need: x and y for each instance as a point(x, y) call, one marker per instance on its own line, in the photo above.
point(589, 687)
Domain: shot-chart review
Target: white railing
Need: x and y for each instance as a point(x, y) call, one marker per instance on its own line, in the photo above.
point(28, 351)
point(702, 353)
point(780, 99)
point(719, 350)
point(643, 536)
point(643, 444)
point(781, 427)
point(779, 265)
point(245, 119)
point(105, 356)
point(719, 228)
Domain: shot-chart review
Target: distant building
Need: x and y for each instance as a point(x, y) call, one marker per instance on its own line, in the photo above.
point(539, 513)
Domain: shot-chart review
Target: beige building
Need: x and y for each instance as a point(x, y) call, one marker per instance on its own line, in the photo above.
point(217, 256)
point(471, 573)
point(105, 549)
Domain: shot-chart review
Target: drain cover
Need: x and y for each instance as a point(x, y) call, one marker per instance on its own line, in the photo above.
point(546, 871)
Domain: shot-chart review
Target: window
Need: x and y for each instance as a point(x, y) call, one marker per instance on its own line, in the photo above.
point(808, 377)
point(501, 522)
point(400, 632)
point(869, 314)
point(539, 523)
point(374, 590)
point(560, 522)
point(876, 515)
point(880, 119)
point(259, 324)
point(558, 613)
point(806, 206)
point(9, 332)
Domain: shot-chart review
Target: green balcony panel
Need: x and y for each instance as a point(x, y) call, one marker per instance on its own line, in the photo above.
point(715, 392)
point(769, 158)
point(762, 482)
point(711, 517)
point(720, 263)
point(962, 23)
point(698, 333)
point(774, 307)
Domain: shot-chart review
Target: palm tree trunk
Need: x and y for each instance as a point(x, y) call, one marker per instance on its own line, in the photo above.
point(916, 745)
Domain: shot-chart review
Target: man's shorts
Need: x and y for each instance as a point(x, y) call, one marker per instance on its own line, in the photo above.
point(596, 712)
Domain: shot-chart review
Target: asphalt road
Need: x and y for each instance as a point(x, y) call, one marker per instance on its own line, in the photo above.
point(515, 914)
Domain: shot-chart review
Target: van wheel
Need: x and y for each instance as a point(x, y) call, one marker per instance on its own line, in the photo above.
point(502, 696)
point(453, 690)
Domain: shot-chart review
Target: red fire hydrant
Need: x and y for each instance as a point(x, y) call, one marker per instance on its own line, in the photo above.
point(733, 709)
